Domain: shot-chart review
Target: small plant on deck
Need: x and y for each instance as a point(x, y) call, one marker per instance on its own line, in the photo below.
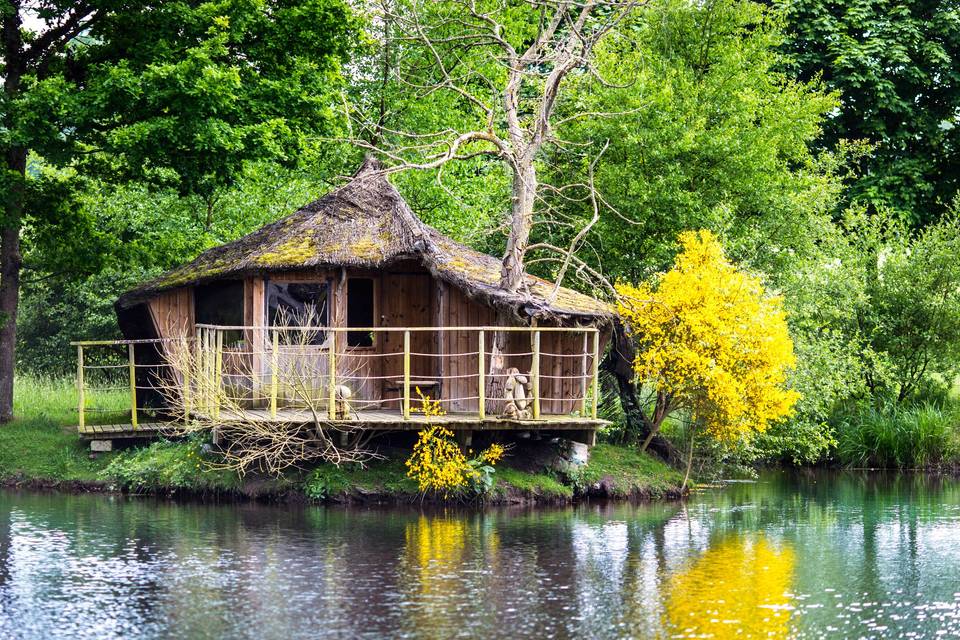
point(439, 465)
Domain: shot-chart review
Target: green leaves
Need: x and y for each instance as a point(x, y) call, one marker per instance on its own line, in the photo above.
point(896, 67)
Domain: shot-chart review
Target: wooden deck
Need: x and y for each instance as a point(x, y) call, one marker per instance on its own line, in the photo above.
point(393, 421)
point(115, 431)
point(379, 420)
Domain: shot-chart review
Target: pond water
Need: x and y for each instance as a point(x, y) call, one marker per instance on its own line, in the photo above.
point(804, 555)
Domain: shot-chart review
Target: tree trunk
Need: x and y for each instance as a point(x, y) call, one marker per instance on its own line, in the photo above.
point(15, 162)
point(521, 220)
point(10, 262)
point(619, 362)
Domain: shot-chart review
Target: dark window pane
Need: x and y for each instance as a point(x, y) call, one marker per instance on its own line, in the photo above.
point(298, 304)
point(359, 311)
point(220, 303)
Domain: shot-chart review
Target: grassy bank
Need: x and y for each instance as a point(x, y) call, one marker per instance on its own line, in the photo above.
point(40, 448)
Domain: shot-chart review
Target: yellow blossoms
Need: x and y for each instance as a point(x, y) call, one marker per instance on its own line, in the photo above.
point(438, 464)
point(711, 337)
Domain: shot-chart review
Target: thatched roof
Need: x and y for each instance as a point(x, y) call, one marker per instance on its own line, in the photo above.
point(366, 223)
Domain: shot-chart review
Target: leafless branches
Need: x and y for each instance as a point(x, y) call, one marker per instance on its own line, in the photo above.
point(233, 390)
point(507, 85)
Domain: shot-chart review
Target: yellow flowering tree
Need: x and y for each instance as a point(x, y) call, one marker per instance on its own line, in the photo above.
point(710, 341)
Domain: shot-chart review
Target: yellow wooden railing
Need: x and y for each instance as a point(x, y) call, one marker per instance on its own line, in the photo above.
point(203, 383)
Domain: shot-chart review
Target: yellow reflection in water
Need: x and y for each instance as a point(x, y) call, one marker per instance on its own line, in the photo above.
point(737, 588)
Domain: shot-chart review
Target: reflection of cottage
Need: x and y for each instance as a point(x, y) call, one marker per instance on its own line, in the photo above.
point(362, 262)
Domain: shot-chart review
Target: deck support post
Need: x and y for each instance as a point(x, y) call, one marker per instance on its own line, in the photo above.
point(406, 375)
point(81, 402)
point(596, 373)
point(274, 363)
point(332, 374)
point(481, 375)
point(535, 374)
point(133, 385)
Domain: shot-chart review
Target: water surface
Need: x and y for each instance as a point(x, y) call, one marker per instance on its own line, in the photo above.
point(809, 555)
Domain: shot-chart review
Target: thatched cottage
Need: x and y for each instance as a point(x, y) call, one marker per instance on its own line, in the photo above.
point(404, 307)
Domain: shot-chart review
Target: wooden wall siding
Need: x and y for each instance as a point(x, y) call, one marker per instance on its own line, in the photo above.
point(406, 300)
point(172, 312)
point(459, 310)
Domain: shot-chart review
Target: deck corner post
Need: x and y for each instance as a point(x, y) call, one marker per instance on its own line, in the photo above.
point(274, 363)
point(481, 375)
point(406, 374)
point(81, 402)
point(332, 374)
point(133, 384)
point(596, 374)
point(535, 374)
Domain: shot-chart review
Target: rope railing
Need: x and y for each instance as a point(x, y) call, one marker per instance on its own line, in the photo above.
point(259, 371)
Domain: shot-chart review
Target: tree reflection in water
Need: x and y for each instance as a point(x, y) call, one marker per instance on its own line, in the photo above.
point(739, 587)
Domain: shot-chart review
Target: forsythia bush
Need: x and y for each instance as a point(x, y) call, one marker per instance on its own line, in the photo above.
point(438, 464)
point(712, 341)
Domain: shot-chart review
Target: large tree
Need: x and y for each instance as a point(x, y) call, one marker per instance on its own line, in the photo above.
point(896, 65)
point(179, 93)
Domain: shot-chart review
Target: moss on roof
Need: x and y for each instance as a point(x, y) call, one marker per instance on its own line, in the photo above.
point(366, 223)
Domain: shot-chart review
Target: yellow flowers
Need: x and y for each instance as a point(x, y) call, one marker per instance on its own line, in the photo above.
point(711, 339)
point(437, 462)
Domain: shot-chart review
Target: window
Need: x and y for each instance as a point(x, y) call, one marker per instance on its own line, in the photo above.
point(298, 304)
point(220, 303)
point(360, 311)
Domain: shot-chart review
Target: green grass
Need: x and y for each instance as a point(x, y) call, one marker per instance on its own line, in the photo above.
point(39, 444)
point(629, 472)
point(915, 437)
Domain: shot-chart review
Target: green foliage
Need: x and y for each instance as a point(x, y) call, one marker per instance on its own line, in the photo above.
point(894, 436)
point(165, 466)
point(895, 64)
point(712, 136)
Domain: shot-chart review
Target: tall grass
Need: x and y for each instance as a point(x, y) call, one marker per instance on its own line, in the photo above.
point(55, 399)
point(893, 436)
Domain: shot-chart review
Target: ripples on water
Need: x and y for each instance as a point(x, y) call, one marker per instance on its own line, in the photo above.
point(791, 556)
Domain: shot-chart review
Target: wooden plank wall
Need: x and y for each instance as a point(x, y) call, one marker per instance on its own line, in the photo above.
point(172, 312)
point(406, 300)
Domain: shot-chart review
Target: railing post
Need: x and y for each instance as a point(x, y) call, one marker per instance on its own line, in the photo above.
point(81, 401)
point(332, 391)
point(218, 374)
point(197, 366)
point(584, 375)
point(133, 385)
point(187, 398)
point(481, 377)
point(596, 373)
point(406, 375)
point(535, 375)
point(274, 363)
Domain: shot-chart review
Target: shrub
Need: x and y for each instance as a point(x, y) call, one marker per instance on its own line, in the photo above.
point(902, 437)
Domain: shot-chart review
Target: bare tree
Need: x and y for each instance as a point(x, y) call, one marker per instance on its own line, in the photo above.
point(209, 393)
point(508, 74)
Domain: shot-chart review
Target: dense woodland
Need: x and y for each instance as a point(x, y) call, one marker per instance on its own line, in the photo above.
point(818, 142)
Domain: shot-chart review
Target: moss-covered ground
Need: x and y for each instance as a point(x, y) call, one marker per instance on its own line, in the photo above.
point(40, 448)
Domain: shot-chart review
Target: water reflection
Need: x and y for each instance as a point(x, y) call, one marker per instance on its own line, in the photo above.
point(739, 586)
point(813, 555)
